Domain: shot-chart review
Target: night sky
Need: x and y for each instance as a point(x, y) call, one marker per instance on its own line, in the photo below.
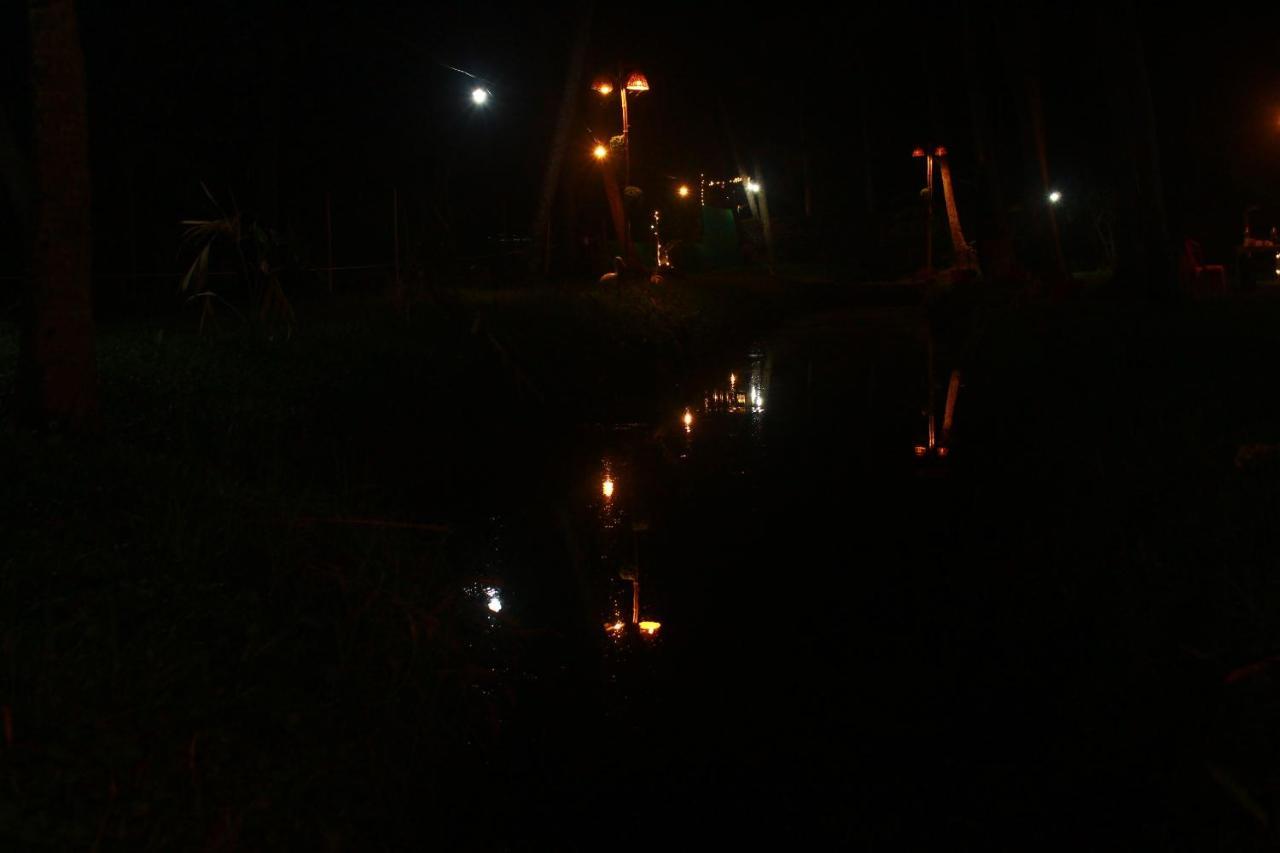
point(357, 100)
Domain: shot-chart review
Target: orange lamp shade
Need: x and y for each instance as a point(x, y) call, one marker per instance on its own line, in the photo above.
point(637, 82)
point(917, 152)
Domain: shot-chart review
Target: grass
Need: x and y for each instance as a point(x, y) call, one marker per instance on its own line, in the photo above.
point(232, 616)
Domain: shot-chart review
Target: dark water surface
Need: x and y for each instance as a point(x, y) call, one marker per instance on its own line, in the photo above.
point(845, 652)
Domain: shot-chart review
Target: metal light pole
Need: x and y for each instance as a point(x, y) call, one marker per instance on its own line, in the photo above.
point(636, 83)
point(928, 193)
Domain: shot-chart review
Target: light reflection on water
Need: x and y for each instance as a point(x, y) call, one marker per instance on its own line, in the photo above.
point(732, 400)
point(740, 395)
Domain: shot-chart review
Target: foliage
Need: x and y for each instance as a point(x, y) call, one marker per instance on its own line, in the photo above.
point(256, 254)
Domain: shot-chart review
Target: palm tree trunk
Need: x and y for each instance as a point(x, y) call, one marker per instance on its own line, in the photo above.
point(57, 376)
point(1144, 250)
point(539, 230)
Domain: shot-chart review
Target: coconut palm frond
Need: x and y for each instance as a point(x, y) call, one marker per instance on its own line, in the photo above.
point(208, 229)
point(198, 272)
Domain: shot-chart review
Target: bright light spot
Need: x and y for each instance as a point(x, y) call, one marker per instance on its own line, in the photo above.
point(753, 187)
point(600, 152)
point(495, 600)
point(479, 96)
point(733, 380)
point(687, 419)
point(604, 88)
point(607, 487)
point(683, 191)
point(616, 627)
point(1055, 197)
point(942, 451)
point(650, 628)
point(921, 450)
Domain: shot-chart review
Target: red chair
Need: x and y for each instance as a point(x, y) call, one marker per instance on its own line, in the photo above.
point(1202, 278)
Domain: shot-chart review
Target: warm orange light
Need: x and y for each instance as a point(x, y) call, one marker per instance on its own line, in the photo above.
point(650, 628)
point(687, 419)
point(942, 451)
point(683, 192)
point(940, 151)
point(607, 487)
point(600, 152)
point(918, 152)
point(733, 380)
point(604, 87)
point(637, 82)
point(615, 627)
point(921, 450)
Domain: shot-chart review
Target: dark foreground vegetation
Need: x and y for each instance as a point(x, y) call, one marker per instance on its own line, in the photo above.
point(234, 616)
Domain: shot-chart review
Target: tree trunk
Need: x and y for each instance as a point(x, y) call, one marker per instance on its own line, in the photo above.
point(539, 255)
point(993, 233)
point(1144, 251)
point(56, 377)
point(616, 211)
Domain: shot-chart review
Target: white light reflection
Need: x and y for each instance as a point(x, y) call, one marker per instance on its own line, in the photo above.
point(495, 599)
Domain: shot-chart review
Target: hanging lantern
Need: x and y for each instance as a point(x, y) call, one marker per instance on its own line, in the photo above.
point(918, 152)
point(637, 82)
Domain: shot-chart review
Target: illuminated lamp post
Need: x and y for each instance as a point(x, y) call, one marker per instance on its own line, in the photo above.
point(636, 84)
point(928, 195)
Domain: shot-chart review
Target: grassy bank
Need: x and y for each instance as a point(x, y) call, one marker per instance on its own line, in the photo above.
point(231, 614)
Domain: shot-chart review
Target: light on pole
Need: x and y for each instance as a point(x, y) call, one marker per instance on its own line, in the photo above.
point(636, 84)
point(479, 96)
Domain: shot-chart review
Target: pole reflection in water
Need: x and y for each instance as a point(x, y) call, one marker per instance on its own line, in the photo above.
point(618, 549)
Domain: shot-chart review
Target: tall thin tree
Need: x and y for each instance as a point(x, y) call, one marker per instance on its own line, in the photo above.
point(569, 100)
point(57, 376)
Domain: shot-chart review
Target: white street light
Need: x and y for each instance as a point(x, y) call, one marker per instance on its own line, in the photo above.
point(1055, 197)
point(479, 96)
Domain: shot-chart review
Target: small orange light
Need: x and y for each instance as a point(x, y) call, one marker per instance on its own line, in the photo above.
point(942, 452)
point(650, 628)
point(940, 151)
point(607, 487)
point(604, 87)
point(683, 192)
point(687, 419)
point(600, 152)
point(918, 152)
point(921, 450)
